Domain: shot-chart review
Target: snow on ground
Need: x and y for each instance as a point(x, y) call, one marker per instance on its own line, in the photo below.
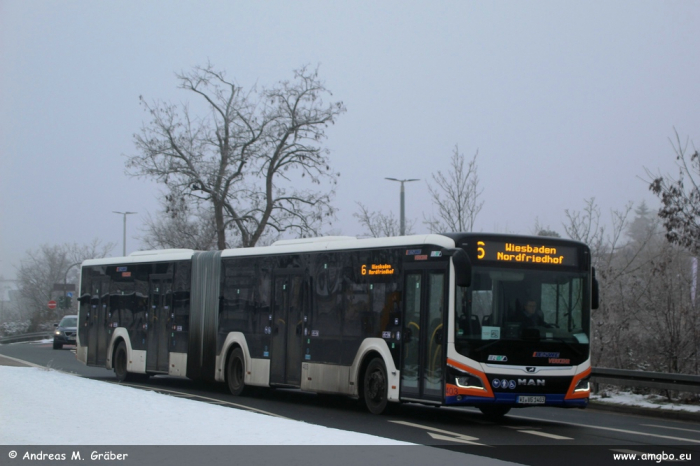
point(47, 407)
point(644, 401)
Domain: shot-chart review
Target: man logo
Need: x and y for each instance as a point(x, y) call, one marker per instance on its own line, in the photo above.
point(532, 382)
point(530, 369)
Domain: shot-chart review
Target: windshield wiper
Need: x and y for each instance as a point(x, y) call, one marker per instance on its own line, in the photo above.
point(568, 345)
point(487, 345)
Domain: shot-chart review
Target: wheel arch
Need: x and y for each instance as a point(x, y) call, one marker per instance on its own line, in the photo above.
point(233, 340)
point(120, 334)
point(375, 348)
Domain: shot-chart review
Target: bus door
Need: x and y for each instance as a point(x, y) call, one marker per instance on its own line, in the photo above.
point(287, 330)
point(423, 339)
point(97, 321)
point(158, 319)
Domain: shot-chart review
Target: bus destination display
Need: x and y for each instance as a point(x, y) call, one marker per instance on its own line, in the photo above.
point(377, 269)
point(526, 253)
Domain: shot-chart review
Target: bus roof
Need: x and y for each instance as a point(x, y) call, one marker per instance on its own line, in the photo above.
point(161, 255)
point(328, 243)
point(336, 243)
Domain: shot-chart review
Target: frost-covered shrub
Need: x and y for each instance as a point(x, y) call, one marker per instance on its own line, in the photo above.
point(14, 328)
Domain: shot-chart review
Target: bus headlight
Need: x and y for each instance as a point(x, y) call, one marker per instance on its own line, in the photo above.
point(464, 379)
point(583, 385)
point(469, 381)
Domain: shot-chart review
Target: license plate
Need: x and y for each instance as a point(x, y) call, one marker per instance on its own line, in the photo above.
point(531, 400)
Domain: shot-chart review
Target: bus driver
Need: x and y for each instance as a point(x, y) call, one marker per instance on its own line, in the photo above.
point(530, 317)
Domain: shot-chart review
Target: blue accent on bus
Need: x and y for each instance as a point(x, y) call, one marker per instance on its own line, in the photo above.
point(511, 399)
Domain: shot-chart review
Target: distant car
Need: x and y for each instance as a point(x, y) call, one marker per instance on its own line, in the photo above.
point(65, 332)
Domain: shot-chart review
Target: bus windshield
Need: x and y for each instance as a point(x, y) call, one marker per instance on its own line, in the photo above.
point(507, 312)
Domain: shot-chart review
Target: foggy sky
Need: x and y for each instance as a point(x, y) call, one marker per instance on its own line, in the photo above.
point(564, 101)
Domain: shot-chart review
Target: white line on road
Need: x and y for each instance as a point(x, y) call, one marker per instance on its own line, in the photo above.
point(190, 396)
point(448, 438)
point(611, 429)
point(31, 364)
point(545, 434)
point(444, 434)
point(24, 362)
point(674, 428)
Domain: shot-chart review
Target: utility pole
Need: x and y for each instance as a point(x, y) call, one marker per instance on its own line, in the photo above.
point(124, 237)
point(403, 203)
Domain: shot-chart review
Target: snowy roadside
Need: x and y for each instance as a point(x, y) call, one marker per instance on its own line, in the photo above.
point(644, 401)
point(47, 407)
point(646, 405)
point(51, 414)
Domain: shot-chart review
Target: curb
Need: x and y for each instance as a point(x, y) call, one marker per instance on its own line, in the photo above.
point(649, 412)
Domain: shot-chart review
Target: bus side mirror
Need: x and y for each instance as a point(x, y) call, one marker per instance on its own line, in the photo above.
point(463, 268)
point(595, 293)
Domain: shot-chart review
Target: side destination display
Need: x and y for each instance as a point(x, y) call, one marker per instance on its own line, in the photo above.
point(377, 269)
point(526, 253)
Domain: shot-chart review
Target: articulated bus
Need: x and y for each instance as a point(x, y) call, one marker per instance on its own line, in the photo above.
point(464, 319)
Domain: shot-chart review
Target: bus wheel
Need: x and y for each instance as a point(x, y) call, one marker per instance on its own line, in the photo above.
point(375, 386)
point(120, 360)
point(494, 412)
point(235, 367)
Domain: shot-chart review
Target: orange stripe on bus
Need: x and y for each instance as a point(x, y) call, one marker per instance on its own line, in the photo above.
point(571, 394)
point(477, 373)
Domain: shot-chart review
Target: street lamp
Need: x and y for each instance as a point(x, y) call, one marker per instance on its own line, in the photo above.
point(65, 282)
point(403, 204)
point(124, 238)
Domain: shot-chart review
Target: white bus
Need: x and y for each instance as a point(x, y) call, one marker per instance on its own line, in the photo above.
point(485, 320)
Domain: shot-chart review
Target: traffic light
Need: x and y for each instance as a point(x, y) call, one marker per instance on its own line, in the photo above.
point(64, 302)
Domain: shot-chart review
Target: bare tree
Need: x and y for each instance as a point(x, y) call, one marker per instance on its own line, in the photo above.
point(680, 198)
point(455, 196)
point(647, 318)
point(380, 225)
point(667, 314)
point(584, 225)
point(181, 225)
point(247, 156)
point(48, 265)
point(611, 322)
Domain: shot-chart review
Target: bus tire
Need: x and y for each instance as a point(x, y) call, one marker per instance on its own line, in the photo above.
point(235, 372)
point(120, 363)
point(375, 386)
point(494, 411)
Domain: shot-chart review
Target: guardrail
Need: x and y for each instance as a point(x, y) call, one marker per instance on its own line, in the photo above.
point(25, 337)
point(643, 379)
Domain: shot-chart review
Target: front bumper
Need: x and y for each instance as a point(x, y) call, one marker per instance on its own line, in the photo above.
point(511, 399)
